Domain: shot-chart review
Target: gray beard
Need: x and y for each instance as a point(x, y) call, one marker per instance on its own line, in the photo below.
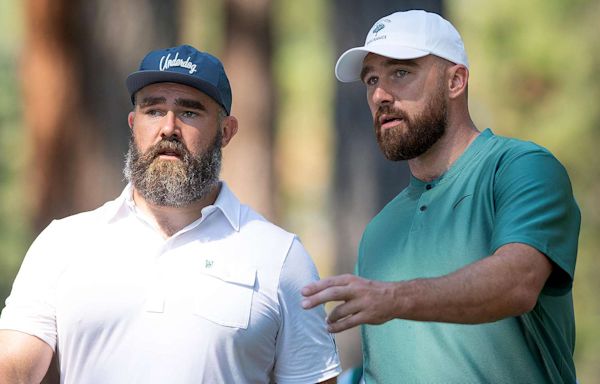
point(173, 183)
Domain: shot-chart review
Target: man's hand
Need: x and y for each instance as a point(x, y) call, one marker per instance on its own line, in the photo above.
point(364, 301)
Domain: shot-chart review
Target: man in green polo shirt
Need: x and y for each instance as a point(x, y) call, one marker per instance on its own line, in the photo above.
point(466, 276)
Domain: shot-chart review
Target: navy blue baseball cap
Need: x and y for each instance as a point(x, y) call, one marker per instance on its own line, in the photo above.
point(184, 65)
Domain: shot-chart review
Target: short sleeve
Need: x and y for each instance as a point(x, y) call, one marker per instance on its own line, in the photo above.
point(30, 308)
point(305, 350)
point(534, 205)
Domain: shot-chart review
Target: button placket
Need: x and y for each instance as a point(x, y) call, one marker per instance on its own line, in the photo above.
point(420, 212)
point(423, 201)
point(156, 296)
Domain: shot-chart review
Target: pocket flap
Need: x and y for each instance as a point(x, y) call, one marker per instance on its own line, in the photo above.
point(235, 274)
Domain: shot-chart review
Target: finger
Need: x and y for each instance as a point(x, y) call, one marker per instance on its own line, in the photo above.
point(346, 323)
point(343, 310)
point(320, 285)
point(334, 293)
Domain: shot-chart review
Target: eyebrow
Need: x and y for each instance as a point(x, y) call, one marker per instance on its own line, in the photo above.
point(389, 63)
point(152, 100)
point(186, 103)
point(189, 103)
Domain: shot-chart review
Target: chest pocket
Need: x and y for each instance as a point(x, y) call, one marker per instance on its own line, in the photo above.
point(226, 295)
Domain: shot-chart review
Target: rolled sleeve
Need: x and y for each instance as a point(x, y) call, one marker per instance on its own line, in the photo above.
point(30, 308)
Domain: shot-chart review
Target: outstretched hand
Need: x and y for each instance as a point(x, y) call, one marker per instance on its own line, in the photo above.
point(364, 301)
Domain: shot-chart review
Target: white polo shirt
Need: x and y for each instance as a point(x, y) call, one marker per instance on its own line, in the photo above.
point(218, 302)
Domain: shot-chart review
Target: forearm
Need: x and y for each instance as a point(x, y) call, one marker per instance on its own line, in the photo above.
point(502, 285)
point(10, 372)
point(498, 286)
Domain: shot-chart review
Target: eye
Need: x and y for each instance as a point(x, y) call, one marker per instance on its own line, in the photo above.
point(371, 80)
point(154, 112)
point(400, 73)
point(189, 114)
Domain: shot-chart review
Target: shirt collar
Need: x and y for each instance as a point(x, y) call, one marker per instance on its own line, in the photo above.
point(229, 205)
point(119, 207)
point(469, 154)
point(226, 202)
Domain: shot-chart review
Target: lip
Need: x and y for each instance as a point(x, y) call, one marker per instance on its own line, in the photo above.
point(165, 156)
point(169, 155)
point(389, 121)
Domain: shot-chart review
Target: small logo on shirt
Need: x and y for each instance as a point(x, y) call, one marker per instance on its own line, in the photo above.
point(208, 263)
point(461, 200)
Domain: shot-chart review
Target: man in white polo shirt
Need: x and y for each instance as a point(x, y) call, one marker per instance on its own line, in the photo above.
point(175, 280)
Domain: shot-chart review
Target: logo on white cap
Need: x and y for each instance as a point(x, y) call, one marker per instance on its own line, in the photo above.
point(166, 63)
point(378, 28)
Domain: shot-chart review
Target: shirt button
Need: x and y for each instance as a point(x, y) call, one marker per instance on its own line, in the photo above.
point(428, 187)
point(423, 208)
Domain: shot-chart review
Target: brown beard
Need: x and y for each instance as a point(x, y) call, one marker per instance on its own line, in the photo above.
point(173, 183)
point(422, 131)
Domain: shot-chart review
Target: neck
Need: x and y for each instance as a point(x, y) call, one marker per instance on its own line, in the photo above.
point(440, 157)
point(171, 220)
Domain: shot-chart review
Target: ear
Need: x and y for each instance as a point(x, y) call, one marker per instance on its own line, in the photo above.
point(130, 118)
point(458, 80)
point(230, 128)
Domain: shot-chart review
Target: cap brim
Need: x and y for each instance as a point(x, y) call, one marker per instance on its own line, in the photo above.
point(140, 79)
point(349, 65)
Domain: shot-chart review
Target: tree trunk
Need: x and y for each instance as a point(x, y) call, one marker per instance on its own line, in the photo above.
point(364, 180)
point(248, 165)
point(74, 67)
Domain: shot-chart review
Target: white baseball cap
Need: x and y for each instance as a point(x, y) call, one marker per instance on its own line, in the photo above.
point(404, 35)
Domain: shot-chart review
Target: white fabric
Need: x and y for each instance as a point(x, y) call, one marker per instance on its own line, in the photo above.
point(218, 302)
point(404, 35)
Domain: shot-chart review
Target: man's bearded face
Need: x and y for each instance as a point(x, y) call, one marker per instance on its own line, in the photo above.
point(174, 182)
point(415, 134)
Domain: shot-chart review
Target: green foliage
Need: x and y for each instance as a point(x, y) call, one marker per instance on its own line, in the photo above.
point(534, 75)
point(303, 65)
point(201, 25)
point(13, 234)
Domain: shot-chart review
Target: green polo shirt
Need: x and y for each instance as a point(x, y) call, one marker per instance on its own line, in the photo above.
point(499, 191)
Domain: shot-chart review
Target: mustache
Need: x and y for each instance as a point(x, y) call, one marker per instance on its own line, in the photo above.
point(389, 110)
point(170, 144)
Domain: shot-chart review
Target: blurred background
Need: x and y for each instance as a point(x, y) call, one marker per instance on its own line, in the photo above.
point(305, 156)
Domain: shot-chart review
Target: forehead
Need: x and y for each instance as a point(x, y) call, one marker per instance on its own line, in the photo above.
point(374, 60)
point(173, 91)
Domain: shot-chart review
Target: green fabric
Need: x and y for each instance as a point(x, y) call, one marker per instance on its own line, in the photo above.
point(499, 191)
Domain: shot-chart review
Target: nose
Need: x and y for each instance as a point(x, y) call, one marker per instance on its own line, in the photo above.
point(169, 125)
point(381, 96)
